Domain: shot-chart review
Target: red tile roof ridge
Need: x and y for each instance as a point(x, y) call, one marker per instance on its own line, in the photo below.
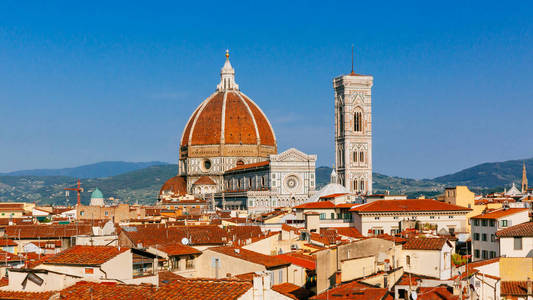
point(424, 243)
point(267, 261)
point(318, 204)
point(333, 195)
point(249, 166)
point(407, 205)
point(85, 255)
point(499, 213)
point(523, 230)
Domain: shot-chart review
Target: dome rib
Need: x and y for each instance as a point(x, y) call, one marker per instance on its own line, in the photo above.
point(268, 137)
point(258, 136)
point(239, 122)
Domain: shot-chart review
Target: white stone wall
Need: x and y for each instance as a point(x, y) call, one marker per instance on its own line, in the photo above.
point(507, 247)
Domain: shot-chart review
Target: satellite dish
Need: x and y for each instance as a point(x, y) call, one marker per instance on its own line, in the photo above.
point(185, 241)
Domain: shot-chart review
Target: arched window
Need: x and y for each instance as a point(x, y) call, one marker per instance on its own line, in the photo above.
point(341, 120)
point(355, 156)
point(355, 185)
point(358, 121)
point(362, 156)
point(362, 185)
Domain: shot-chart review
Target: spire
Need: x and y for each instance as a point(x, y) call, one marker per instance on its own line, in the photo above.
point(333, 176)
point(227, 77)
point(352, 62)
point(524, 178)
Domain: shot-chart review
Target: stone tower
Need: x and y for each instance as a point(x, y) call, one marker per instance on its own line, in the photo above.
point(353, 131)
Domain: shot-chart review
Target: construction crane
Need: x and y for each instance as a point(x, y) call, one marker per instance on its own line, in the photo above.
point(79, 189)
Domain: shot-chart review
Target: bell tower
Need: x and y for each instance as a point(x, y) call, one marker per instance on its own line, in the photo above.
point(353, 131)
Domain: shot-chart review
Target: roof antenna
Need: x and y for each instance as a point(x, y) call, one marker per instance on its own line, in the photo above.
point(352, 61)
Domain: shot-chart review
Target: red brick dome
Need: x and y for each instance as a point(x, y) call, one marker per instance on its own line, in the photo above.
point(228, 117)
point(174, 187)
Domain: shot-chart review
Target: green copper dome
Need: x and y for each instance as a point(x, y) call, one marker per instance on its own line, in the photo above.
point(97, 194)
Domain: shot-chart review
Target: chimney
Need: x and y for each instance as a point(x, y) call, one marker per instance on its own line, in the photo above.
point(338, 278)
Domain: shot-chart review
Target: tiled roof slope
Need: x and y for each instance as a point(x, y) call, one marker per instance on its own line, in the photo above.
point(315, 205)
point(292, 290)
point(347, 231)
point(353, 290)
point(252, 256)
point(407, 205)
point(299, 259)
point(206, 289)
point(514, 288)
point(250, 166)
point(47, 231)
point(523, 230)
point(424, 244)
point(153, 234)
point(436, 293)
point(500, 213)
point(85, 255)
point(178, 249)
point(107, 290)
point(26, 295)
point(176, 185)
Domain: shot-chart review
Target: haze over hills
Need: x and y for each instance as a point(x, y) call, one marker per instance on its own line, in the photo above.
point(143, 181)
point(96, 170)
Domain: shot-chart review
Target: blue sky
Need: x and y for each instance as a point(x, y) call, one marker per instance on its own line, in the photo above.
point(82, 83)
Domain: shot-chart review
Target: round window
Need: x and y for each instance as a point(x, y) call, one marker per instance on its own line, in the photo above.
point(292, 182)
point(207, 164)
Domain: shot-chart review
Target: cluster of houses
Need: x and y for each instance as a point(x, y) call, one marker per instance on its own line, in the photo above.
point(458, 246)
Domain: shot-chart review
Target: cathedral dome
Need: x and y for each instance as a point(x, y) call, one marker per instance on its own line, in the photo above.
point(228, 123)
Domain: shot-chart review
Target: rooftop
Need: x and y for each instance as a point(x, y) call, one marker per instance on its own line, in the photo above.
point(203, 288)
point(523, 230)
point(424, 244)
point(513, 288)
point(407, 205)
point(254, 257)
point(299, 259)
point(353, 290)
point(107, 290)
point(500, 213)
point(315, 205)
point(249, 166)
point(85, 255)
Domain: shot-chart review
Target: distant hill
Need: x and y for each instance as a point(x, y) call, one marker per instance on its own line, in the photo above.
point(97, 170)
point(489, 175)
point(136, 186)
point(142, 184)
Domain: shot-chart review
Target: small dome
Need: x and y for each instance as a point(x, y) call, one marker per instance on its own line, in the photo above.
point(174, 187)
point(97, 194)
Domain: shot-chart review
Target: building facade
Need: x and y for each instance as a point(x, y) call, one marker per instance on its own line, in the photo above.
point(353, 131)
point(485, 245)
point(286, 179)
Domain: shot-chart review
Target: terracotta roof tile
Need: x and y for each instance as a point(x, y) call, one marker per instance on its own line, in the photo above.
point(523, 230)
point(265, 130)
point(351, 232)
point(514, 288)
point(175, 249)
point(292, 290)
point(333, 195)
point(107, 290)
point(299, 259)
point(166, 277)
point(266, 260)
point(249, 166)
point(153, 234)
point(7, 242)
point(500, 213)
point(206, 289)
point(424, 244)
point(353, 290)
point(85, 255)
point(26, 295)
point(407, 205)
point(47, 231)
point(239, 123)
point(316, 205)
point(436, 293)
